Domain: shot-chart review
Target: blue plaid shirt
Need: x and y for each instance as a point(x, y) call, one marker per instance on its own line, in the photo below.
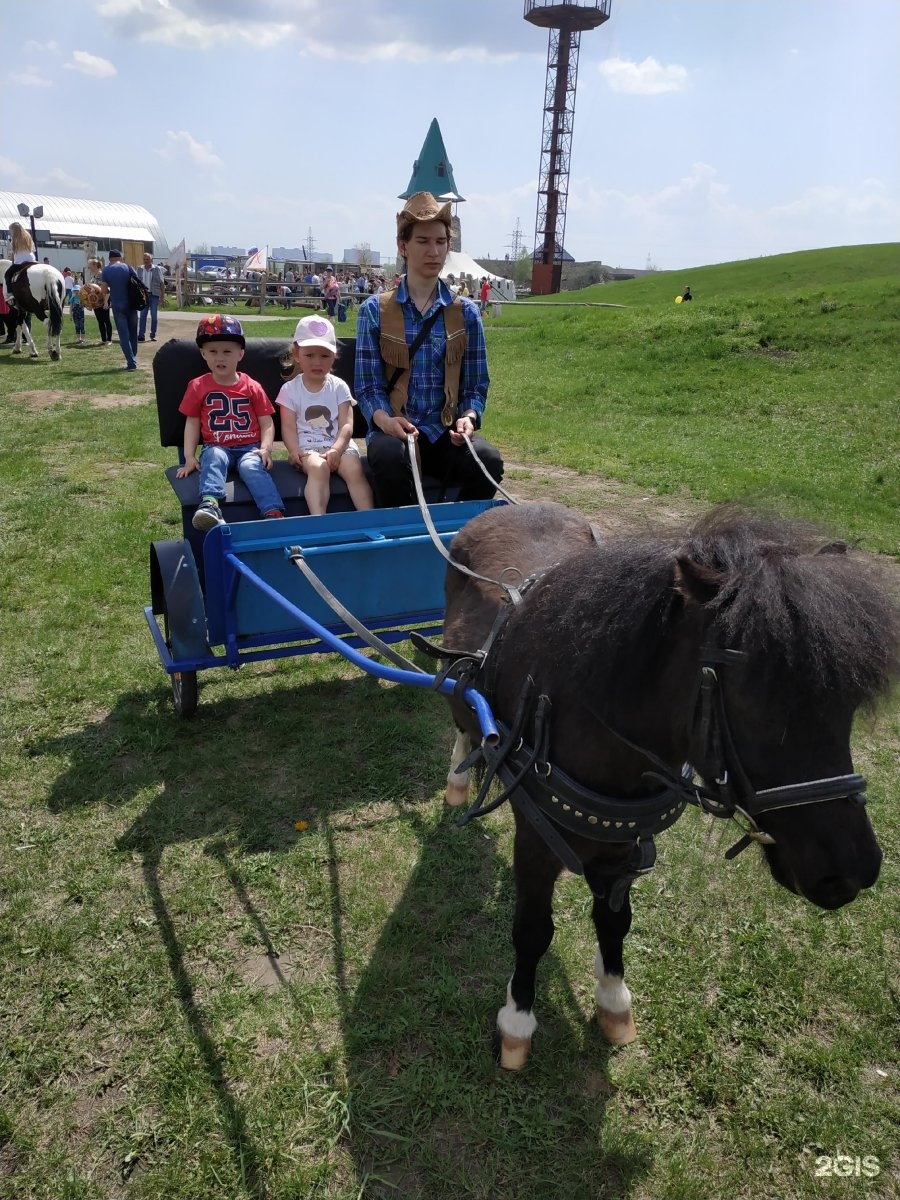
point(426, 379)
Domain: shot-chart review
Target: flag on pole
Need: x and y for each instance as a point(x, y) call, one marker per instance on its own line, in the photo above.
point(258, 259)
point(177, 256)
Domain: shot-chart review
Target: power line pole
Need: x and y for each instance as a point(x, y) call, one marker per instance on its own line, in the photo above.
point(514, 246)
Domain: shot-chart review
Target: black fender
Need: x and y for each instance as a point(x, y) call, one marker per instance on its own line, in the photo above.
point(176, 594)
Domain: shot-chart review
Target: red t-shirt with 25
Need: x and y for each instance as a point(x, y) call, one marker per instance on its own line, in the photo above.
point(229, 416)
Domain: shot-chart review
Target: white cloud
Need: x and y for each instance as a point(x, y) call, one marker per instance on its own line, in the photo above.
point(31, 76)
point(61, 181)
point(52, 181)
point(41, 47)
point(699, 218)
point(168, 22)
point(181, 144)
point(12, 173)
point(379, 31)
point(647, 78)
point(90, 64)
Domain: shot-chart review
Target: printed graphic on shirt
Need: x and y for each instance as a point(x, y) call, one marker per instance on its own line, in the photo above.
point(229, 415)
point(317, 413)
point(227, 418)
point(318, 418)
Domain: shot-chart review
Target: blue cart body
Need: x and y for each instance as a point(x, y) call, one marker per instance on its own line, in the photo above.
point(255, 604)
point(234, 595)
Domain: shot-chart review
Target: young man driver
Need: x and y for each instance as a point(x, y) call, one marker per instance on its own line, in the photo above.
point(421, 368)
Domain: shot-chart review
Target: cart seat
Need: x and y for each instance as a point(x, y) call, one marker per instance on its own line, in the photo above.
point(179, 361)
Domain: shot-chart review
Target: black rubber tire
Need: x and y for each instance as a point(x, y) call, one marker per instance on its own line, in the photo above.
point(184, 692)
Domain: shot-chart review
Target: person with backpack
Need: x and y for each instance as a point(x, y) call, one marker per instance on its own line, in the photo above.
point(114, 281)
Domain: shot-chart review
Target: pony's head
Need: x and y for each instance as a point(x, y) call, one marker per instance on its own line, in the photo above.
point(816, 633)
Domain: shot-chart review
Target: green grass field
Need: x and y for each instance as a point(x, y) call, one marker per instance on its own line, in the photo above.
point(250, 956)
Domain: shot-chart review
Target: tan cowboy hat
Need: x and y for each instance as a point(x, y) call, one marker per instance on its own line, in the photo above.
point(422, 207)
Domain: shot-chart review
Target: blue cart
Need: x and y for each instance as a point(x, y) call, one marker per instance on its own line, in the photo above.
point(304, 585)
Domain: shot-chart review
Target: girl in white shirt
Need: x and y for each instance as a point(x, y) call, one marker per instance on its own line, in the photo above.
point(319, 439)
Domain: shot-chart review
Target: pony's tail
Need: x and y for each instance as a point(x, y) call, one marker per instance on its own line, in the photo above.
point(54, 299)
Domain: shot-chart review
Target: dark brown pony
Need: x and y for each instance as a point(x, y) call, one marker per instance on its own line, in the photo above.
point(743, 648)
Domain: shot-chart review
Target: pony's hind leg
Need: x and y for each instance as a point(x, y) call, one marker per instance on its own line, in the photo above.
point(612, 997)
point(458, 784)
point(26, 337)
point(536, 870)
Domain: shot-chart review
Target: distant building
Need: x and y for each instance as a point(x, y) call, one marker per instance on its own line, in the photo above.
point(70, 227)
point(351, 257)
point(432, 172)
point(561, 255)
point(293, 254)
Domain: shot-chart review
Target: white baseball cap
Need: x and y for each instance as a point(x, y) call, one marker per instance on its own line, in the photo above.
point(316, 331)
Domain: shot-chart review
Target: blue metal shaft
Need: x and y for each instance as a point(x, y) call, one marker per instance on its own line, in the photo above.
point(413, 678)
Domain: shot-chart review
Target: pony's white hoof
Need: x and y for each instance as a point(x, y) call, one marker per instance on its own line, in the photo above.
point(617, 1028)
point(514, 1052)
point(17, 350)
point(456, 794)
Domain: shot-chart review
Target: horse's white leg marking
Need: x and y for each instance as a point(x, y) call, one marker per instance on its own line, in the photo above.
point(458, 785)
point(613, 1006)
point(26, 337)
point(516, 1031)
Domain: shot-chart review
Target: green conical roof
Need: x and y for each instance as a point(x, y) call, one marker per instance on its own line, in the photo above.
point(432, 171)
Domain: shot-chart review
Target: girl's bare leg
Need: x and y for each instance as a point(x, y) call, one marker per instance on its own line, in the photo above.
point(318, 483)
point(352, 473)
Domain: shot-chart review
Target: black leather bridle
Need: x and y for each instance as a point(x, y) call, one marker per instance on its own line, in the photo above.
point(729, 792)
point(552, 801)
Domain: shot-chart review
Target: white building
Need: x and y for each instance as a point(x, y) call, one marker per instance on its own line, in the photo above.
point(70, 228)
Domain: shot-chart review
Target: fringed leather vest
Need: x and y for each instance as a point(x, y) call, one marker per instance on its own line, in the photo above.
point(395, 353)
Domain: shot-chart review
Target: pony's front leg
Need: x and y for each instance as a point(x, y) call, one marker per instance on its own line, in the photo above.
point(536, 870)
point(613, 999)
point(458, 784)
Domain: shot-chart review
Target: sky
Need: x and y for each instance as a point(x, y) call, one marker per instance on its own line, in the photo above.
point(704, 131)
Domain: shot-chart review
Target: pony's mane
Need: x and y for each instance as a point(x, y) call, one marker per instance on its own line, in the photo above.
point(790, 594)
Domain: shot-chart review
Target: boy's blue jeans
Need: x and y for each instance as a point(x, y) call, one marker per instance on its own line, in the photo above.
point(217, 461)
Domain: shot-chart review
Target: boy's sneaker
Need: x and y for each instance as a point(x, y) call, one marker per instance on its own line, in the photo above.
point(208, 516)
point(273, 512)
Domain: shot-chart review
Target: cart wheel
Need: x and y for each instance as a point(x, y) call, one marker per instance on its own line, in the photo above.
point(184, 692)
point(177, 598)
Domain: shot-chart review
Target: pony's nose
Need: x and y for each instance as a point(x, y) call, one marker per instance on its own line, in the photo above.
point(834, 891)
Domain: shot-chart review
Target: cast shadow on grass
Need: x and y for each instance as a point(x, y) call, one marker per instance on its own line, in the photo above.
point(432, 1115)
point(207, 786)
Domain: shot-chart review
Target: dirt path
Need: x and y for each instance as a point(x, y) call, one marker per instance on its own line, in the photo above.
point(615, 507)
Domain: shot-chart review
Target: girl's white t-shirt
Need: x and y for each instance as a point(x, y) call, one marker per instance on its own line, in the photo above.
point(316, 412)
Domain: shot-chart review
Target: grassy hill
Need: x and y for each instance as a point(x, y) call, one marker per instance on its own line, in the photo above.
point(777, 384)
point(250, 956)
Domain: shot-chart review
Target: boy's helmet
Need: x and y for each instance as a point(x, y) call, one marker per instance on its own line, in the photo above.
point(220, 328)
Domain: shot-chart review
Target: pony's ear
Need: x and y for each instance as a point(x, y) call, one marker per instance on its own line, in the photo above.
point(695, 582)
point(833, 548)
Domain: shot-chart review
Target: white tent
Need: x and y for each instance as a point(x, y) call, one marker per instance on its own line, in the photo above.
point(459, 264)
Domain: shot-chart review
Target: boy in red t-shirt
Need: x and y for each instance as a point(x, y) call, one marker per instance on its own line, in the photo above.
point(232, 416)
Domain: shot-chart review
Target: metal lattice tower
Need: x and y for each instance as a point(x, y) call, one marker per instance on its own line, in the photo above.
point(565, 19)
point(514, 246)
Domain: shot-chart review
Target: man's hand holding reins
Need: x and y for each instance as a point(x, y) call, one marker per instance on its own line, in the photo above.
point(399, 427)
point(464, 428)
